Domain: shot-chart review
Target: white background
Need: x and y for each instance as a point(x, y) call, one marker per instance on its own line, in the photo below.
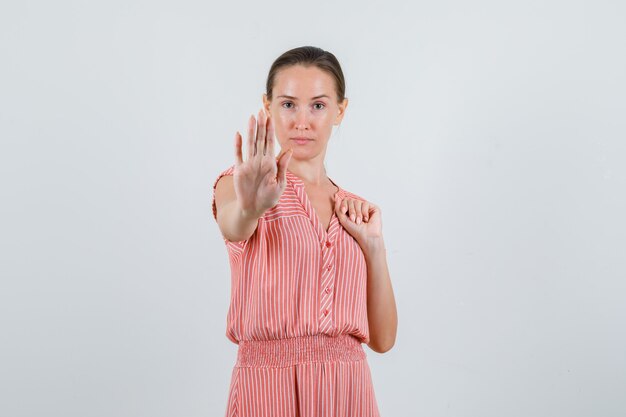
point(491, 134)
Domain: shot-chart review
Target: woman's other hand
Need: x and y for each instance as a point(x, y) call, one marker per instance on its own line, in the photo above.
point(361, 219)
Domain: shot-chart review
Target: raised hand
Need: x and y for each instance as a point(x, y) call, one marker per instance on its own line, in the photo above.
point(362, 220)
point(260, 180)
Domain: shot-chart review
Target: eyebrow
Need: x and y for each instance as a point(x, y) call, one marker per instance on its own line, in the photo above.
point(312, 98)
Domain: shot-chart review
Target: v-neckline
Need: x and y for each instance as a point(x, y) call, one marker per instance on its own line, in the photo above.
point(324, 235)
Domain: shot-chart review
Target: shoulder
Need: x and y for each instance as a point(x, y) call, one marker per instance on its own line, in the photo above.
point(226, 171)
point(348, 194)
point(223, 191)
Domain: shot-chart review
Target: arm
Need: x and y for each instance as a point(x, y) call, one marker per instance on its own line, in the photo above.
point(381, 306)
point(235, 223)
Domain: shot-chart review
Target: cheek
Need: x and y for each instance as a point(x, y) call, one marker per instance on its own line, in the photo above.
point(281, 120)
point(281, 128)
point(280, 125)
point(327, 118)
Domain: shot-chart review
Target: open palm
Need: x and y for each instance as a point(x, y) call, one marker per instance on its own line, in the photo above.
point(260, 180)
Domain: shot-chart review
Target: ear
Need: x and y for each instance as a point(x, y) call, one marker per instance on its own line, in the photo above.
point(266, 103)
point(342, 109)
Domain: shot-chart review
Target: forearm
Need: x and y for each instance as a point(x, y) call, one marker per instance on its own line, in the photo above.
point(237, 224)
point(381, 306)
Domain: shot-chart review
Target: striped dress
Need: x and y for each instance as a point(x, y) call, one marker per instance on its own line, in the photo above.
point(298, 313)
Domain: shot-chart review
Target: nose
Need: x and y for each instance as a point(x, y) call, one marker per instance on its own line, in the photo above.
point(302, 119)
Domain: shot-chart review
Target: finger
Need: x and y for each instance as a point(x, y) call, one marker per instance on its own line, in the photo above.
point(341, 207)
point(344, 206)
point(283, 162)
point(365, 211)
point(338, 207)
point(352, 209)
point(260, 134)
point(238, 156)
point(270, 137)
point(250, 142)
point(358, 211)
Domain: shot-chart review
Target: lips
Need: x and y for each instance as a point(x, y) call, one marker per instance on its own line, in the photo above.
point(301, 138)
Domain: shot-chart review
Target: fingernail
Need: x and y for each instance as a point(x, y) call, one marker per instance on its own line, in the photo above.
point(358, 220)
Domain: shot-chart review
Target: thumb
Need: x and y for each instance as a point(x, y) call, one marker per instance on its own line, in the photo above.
point(283, 161)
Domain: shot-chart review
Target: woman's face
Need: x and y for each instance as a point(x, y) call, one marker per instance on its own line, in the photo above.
point(304, 105)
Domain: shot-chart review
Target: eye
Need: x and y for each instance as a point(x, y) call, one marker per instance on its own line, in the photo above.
point(287, 102)
point(320, 104)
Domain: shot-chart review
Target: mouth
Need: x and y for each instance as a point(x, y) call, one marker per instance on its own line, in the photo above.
point(301, 140)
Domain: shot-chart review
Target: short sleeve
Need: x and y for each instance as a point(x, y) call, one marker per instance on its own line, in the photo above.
point(228, 171)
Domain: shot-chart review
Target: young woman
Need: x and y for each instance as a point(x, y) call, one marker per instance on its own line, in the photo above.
point(309, 279)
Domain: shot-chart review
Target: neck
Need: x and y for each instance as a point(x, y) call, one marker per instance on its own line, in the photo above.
point(309, 172)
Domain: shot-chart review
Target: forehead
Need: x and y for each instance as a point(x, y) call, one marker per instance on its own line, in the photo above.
point(305, 82)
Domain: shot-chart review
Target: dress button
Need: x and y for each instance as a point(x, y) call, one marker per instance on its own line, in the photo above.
point(326, 312)
point(329, 267)
point(328, 244)
point(327, 290)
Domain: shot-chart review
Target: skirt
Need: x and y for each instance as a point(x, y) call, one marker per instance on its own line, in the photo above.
point(307, 376)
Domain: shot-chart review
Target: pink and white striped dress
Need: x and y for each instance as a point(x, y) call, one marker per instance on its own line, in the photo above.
point(298, 312)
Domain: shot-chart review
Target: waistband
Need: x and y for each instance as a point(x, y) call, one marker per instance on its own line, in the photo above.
point(301, 349)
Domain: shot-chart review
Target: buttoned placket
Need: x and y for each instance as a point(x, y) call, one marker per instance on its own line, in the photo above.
point(327, 280)
point(327, 247)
